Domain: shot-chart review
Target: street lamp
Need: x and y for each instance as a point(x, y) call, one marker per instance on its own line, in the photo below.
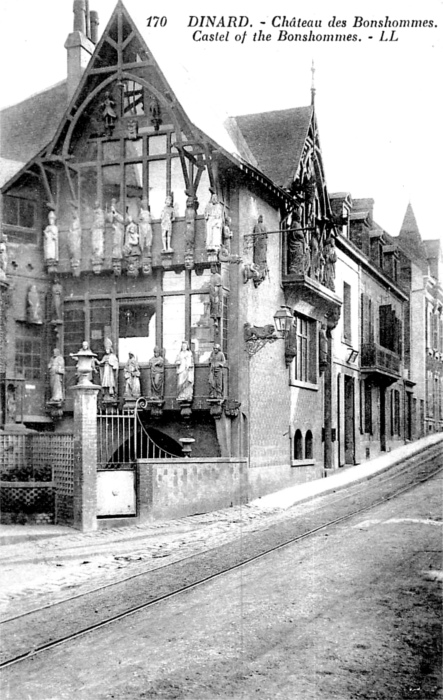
point(257, 337)
point(283, 320)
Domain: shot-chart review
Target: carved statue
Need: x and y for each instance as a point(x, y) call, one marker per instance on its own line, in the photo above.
point(132, 238)
point(215, 295)
point(132, 129)
point(214, 223)
point(132, 377)
point(315, 255)
point(86, 350)
point(157, 367)
point(108, 112)
point(258, 269)
point(167, 217)
point(189, 260)
point(75, 240)
point(3, 257)
point(185, 373)
point(227, 231)
point(34, 313)
point(145, 226)
point(98, 233)
point(191, 208)
point(330, 257)
point(322, 349)
point(155, 112)
point(11, 404)
point(298, 257)
point(259, 332)
point(57, 290)
point(217, 361)
point(118, 224)
point(56, 368)
point(108, 370)
point(50, 236)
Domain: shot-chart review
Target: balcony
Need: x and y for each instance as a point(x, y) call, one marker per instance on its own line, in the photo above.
point(201, 386)
point(382, 364)
point(308, 273)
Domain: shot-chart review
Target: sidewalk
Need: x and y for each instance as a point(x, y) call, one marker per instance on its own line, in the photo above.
point(44, 564)
point(283, 499)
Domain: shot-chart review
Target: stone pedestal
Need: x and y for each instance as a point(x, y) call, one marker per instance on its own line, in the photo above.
point(85, 456)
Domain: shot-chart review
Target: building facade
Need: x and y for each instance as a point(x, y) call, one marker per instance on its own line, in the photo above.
point(134, 238)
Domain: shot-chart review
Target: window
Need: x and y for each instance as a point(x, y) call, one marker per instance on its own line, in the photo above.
point(308, 445)
point(305, 360)
point(28, 353)
point(100, 324)
point(347, 328)
point(74, 331)
point(136, 330)
point(181, 311)
point(298, 445)
point(368, 406)
point(396, 398)
point(390, 329)
point(20, 219)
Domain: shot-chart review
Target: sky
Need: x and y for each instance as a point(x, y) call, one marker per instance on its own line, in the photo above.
point(378, 100)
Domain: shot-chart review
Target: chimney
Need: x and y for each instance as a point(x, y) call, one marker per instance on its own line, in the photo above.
point(79, 47)
point(94, 26)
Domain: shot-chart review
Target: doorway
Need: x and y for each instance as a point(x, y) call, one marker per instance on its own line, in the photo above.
point(382, 419)
point(349, 420)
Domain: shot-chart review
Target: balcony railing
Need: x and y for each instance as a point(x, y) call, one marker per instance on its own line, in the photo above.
point(380, 360)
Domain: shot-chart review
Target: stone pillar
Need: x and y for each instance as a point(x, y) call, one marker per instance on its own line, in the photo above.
point(145, 488)
point(85, 457)
point(328, 404)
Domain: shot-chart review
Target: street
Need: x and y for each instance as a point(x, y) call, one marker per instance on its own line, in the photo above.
point(352, 612)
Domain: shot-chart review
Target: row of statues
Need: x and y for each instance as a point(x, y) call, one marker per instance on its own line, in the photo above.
point(310, 252)
point(132, 237)
point(108, 368)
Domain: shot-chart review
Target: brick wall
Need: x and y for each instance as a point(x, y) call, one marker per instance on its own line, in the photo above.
point(179, 487)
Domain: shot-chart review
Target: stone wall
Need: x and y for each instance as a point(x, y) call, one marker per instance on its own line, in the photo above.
point(179, 487)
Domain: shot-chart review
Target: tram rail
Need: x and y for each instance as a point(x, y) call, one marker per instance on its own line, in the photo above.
point(429, 465)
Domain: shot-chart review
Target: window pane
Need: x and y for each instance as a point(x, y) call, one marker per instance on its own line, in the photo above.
point(157, 145)
point(100, 324)
point(203, 193)
point(88, 195)
point(200, 281)
point(10, 210)
point(111, 184)
point(137, 331)
point(134, 188)
point(157, 186)
point(134, 149)
point(133, 98)
point(173, 282)
point(201, 327)
point(27, 214)
point(173, 326)
point(111, 150)
point(73, 330)
point(178, 187)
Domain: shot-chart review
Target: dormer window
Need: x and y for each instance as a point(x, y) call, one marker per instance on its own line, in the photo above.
point(20, 219)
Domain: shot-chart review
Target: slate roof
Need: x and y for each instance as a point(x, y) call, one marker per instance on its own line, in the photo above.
point(8, 168)
point(27, 127)
point(409, 237)
point(276, 140)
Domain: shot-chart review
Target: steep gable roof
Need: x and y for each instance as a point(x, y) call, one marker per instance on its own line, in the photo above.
point(409, 237)
point(25, 128)
point(276, 140)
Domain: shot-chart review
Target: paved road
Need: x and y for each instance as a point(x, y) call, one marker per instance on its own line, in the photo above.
point(353, 612)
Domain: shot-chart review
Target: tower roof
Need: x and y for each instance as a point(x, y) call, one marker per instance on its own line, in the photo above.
point(409, 237)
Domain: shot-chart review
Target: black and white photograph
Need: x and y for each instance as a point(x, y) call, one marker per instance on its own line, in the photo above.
point(221, 350)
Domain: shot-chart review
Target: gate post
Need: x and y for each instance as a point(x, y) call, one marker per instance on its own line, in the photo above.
point(85, 456)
